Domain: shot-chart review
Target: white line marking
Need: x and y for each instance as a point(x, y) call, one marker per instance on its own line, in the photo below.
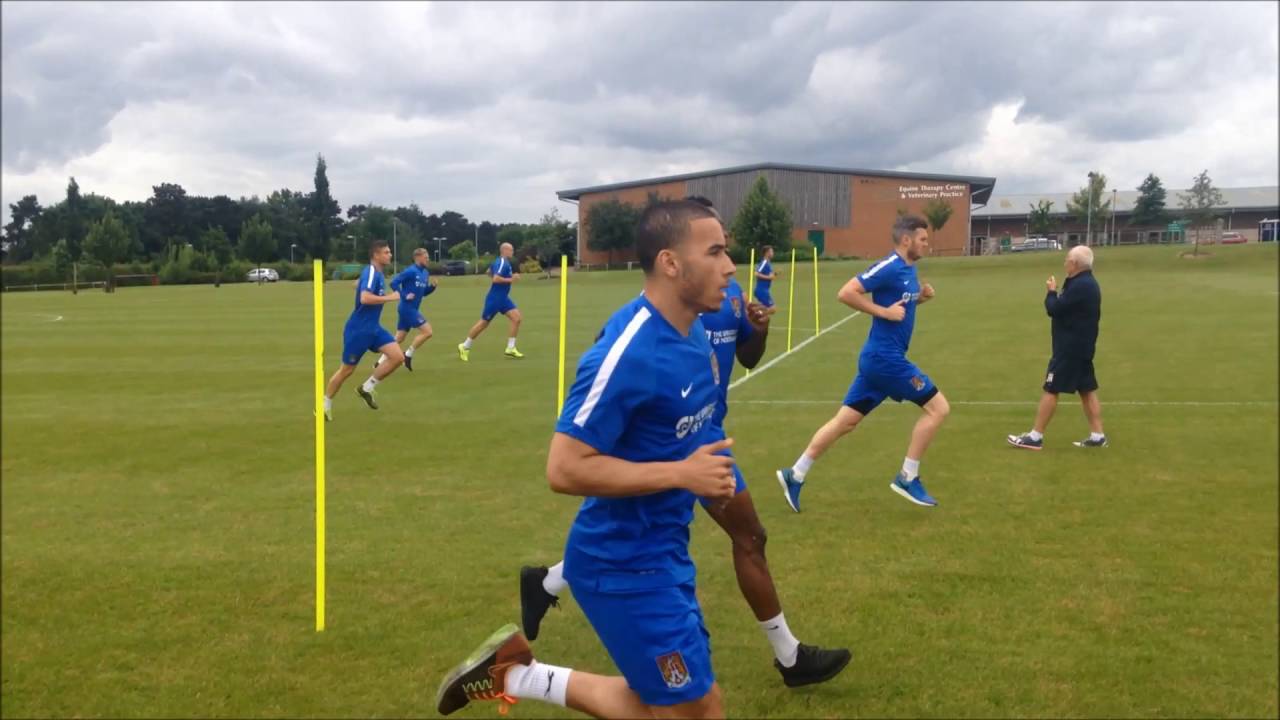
point(1138, 403)
point(758, 371)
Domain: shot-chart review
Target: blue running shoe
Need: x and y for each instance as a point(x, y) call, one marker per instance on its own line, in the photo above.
point(790, 487)
point(913, 491)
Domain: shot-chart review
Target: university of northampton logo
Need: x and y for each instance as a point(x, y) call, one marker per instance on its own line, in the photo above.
point(674, 672)
point(737, 306)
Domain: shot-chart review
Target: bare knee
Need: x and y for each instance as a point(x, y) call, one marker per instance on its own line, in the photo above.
point(752, 542)
point(708, 706)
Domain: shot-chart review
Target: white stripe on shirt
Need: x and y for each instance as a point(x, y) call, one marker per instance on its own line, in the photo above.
point(761, 268)
point(880, 265)
point(370, 285)
point(606, 368)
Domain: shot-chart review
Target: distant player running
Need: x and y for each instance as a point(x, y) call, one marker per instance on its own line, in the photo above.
point(765, 277)
point(889, 292)
point(738, 330)
point(364, 332)
point(413, 284)
point(497, 301)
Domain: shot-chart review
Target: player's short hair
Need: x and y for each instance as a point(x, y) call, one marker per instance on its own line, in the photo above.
point(907, 225)
point(664, 225)
point(765, 249)
point(419, 252)
point(1083, 255)
point(377, 245)
point(705, 201)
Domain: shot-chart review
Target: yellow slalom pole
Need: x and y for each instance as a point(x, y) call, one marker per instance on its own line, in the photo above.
point(791, 298)
point(817, 324)
point(564, 295)
point(317, 282)
point(751, 288)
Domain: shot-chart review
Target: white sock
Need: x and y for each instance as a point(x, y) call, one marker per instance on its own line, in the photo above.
point(1096, 436)
point(409, 352)
point(466, 344)
point(370, 383)
point(539, 681)
point(554, 582)
point(911, 469)
point(511, 342)
point(328, 403)
point(801, 468)
point(785, 645)
point(1035, 435)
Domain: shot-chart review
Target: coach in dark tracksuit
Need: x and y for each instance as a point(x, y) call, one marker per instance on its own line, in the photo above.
point(1075, 313)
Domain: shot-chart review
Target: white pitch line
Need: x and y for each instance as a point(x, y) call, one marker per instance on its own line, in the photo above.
point(795, 349)
point(1141, 403)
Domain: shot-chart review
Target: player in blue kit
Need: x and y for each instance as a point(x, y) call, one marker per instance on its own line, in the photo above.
point(889, 291)
point(637, 440)
point(765, 277)
point(413, 284)
point(737, 330)
point(364, 332)
point(498, 301)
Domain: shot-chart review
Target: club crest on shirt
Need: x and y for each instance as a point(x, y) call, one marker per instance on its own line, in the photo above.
point(1048, 378)
point(737, 307)
point(674, 672)
point(917, 382)
point(715, 368)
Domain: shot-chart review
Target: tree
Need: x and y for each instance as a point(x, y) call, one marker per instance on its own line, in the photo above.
point(465, 250)
point(611, 225)
point(763, 219)
point(20, 232)
point(1040, 220)
point(325, 215)
point(166, 217)
point(1088, 204)
point(107, 244)
point(937, 212)
point(73, 225)
point(256, 244)
point(218, 248)
point(1149, 209)
point(1200, 204)
point(61, 258)
point(545, 239)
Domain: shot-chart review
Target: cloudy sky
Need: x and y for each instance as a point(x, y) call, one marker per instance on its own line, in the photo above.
point(488, 109)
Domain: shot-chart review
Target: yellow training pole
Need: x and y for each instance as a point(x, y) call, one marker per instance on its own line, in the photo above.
point(751, 288)
point(817, 324)
point(791, 298)
point(564, 295)
point(317, 282)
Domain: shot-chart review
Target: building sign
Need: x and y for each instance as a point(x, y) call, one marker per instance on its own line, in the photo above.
point(932, 191)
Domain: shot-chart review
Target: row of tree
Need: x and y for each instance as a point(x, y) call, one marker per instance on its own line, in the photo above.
point(1091, 207)
point(287, 225)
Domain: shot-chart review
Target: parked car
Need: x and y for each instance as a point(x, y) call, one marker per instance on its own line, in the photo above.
point(1232, 238)
point(456, 267)
point(262, 275)
point(1036, 243)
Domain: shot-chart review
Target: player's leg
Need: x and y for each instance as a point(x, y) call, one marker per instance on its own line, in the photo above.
point(401, 331)
point(862, 398)
point(910, 383)
point(1058, 379)
point(503, 669)
point(424, 334)
point(514, 318)
point(1088, 388)
point(540, 590)
point(799, 664)
point(385, 344)
point(464, 348)
point(334, 385)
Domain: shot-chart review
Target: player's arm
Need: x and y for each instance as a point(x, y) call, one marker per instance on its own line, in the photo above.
point(499, 280)
point(368, 298)
point(576, 468)
point(855, 296)
point(750, 350)
point(1059, 305)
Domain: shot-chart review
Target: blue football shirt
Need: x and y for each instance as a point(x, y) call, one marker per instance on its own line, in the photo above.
point(888, 281)
point(368, 317)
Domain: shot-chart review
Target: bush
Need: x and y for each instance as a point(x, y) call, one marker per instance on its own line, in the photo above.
point(530, 266)
point(485, 261)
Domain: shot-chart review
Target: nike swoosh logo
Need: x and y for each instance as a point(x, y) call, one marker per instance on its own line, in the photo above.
point(775, 627)
point(550, 676)
point(685, 392)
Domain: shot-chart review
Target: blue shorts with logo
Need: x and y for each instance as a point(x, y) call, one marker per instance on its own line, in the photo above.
point(410, 319)
point(358, 341)
point(764, 296)
point(655, 635)
point(897, 379)
point(496, 306)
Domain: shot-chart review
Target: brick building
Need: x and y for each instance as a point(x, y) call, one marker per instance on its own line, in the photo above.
point(846, 211)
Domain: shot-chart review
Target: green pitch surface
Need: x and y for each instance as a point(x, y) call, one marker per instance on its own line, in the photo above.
point(158, 503)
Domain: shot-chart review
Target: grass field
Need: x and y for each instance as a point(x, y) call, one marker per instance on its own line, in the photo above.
point(157, 504)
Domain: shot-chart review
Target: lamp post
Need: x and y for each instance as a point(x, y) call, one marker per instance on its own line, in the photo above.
point(395, 241)
point(439, 252)
point(1114, 241)
point(291, 247)
point(1088, 231)
point(352, 238)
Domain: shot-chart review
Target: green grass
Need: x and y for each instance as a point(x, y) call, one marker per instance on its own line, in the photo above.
point(157, 504)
